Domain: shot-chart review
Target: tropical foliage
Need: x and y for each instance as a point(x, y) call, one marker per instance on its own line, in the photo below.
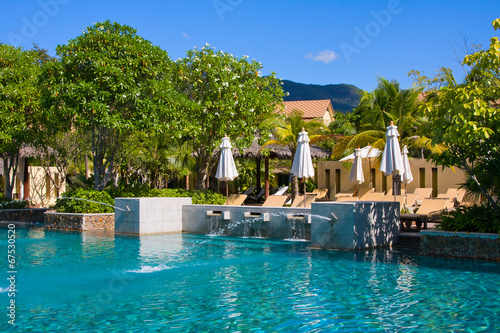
point(109, 82)
point(19, 96)
point(465, 119)
point(229, 98)
point(477, 218)
point(388, 102)
point(286, 131)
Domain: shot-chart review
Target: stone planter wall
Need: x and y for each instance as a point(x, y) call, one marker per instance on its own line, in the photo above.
point(80, 222)
point(23, 215)
point(460, 245)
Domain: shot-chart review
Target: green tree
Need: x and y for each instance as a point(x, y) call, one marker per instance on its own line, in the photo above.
point(388, 102)
point(110, 82)
point(19, 105)
point(286, 131)
point(466, 120)
point(230, 98)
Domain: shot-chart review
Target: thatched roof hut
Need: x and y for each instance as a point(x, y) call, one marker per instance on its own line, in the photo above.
point(280, 152)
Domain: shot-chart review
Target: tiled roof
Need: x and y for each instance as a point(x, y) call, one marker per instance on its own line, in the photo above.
point(312, 109)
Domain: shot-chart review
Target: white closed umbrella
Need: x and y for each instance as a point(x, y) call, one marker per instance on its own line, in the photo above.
point(367, 152)
point(407, 176)
point(392, 161)
point(356, 175)
point(226, 170)
point(302, 166)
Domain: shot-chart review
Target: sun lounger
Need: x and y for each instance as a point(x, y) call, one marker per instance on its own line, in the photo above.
point(389, 192)
point(455, 194)
point(423, 192)
point(258, 196)
point(399, 198)
point(373, 196)
point(428, 211)
point(249, 190)
point(275, 201)
point(340, 194)
point(411, 200)
point(235, 199)
point(281, 191)
point(322, 193)
point(351, 198)
point(299, 200)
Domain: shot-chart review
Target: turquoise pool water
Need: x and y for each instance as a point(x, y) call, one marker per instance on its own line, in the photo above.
point(84, 282)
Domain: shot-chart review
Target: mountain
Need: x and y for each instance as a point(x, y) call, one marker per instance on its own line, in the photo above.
point(344, 97)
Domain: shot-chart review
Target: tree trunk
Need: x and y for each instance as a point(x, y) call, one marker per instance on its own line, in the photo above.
point(10, 164)
point(202, 179)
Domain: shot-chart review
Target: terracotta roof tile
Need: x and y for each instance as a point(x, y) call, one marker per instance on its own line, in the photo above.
point(312, 109)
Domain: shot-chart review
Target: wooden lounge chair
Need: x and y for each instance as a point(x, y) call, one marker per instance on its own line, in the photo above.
point(275, 201)
point(373, 196)
point(455, 194)
point(281, 191)
point(249, 190)
point(322, 193)
point(351, 198)
point(399, 198)
point(429, 210)
point(411, 200)
point(423, 192)
point(389, 191)
point(235, 199)
point(259, 195)
point(299, 201)
point(340, 195)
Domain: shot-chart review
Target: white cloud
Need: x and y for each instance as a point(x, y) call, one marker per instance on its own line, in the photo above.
point(185, 35)
point(326, 56)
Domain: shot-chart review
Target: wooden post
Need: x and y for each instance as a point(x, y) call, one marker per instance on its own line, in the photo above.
point(26, 180)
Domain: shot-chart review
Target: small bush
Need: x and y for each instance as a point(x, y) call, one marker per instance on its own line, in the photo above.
point(13, 204)
point(199, 197)
point(477, 218)
point(85, 202)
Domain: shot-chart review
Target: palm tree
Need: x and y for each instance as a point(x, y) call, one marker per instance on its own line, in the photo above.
point(286, 132)
point(388, 102)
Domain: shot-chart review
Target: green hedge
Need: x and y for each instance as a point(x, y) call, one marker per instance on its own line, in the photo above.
point(477, 218)
point(77, 205)
point(85, 201)
point(13, 204)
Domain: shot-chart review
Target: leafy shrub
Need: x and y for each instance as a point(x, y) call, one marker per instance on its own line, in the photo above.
point(199, 197)
point(134, 190)
point(477, 218)
point(13, 204)
point(78, 202)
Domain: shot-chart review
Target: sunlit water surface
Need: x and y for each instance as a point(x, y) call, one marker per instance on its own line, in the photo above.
point(85, 282)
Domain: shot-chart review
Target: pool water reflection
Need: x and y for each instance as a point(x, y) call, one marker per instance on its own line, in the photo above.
point(181, 282)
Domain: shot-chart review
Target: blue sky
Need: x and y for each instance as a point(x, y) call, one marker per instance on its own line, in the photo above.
point(314, 41)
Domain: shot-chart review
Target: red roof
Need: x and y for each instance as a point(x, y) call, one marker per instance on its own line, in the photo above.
point(312, 109)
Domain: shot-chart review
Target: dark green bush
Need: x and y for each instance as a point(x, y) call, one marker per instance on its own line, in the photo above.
point(477, 218)
point(85, 201)
point(199, 197)
point(79, 203)
point(13, 204)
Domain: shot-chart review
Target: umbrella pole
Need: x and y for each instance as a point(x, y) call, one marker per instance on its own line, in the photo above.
point(394, 187)
point(227, 193)
point(304, 180)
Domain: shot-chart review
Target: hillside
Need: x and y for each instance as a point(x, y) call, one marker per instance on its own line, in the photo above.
point(344, 97)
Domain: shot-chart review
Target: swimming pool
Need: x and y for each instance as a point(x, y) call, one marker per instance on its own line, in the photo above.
point(72, 282)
